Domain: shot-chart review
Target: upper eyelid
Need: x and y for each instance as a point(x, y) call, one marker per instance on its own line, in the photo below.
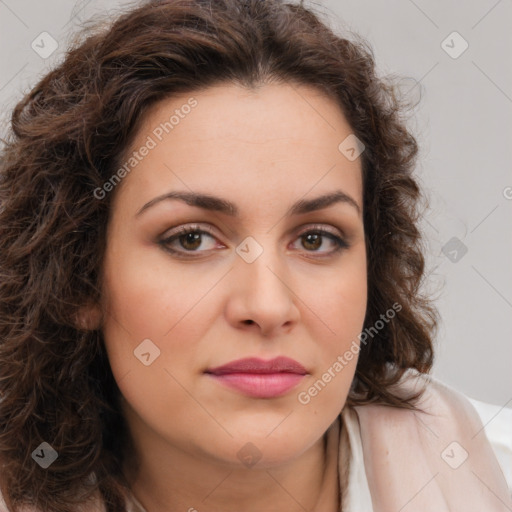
point(304, 228)
point(188, 228)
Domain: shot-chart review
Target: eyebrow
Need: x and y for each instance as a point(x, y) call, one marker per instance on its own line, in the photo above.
point(217, 204)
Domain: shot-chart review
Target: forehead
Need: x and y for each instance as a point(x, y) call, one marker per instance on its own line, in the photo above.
point(277, 140)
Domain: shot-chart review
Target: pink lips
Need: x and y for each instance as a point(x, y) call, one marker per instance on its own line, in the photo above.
point(258, 378)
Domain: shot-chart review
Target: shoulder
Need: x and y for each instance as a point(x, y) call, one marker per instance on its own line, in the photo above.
point(442, 445)
point(440, 406)
point(442, 413)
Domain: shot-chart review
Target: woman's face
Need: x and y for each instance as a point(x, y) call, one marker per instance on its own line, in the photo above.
point(257, 279)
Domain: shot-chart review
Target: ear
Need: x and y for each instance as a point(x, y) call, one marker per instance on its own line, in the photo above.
point(89, 317)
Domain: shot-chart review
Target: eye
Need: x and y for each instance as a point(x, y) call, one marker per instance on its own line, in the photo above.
point(188, 239)
point(317, 238)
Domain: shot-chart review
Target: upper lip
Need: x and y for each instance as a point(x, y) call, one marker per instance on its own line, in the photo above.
point(255, 365)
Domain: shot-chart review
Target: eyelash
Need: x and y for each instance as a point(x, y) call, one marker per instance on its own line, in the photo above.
point(340, 243)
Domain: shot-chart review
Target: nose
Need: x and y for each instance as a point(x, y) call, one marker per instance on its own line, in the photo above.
point(262, 298)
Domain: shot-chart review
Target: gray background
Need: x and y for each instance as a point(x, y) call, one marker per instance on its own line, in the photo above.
point(464, 126)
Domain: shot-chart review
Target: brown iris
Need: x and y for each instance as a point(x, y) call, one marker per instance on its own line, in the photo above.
point(313, 239)
point(193, 238)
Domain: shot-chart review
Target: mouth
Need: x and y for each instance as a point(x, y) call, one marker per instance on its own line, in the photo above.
point(258, 378)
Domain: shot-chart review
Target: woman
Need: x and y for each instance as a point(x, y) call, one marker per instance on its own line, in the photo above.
point(210, 280)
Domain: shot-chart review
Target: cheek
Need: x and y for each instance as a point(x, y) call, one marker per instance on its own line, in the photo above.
point(343, 300)
point(148, 296)
point(148, 299)
point(341, 307)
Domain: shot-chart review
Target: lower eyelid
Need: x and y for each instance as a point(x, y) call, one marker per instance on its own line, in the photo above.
point(340, 242)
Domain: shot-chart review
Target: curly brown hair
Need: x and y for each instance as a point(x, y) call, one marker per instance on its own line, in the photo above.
point(65, 140)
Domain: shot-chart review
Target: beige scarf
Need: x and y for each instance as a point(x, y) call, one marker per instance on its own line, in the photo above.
point(395, 460)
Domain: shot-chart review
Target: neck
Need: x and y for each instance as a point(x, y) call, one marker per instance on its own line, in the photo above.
point(167, 479)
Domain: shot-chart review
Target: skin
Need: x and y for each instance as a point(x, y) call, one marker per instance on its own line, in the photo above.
point(262, 150)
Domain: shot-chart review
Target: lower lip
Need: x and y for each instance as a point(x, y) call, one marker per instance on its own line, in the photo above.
point(262, 385)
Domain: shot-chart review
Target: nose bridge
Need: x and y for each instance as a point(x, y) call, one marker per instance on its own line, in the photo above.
point(258, 265)
point(262, 291)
